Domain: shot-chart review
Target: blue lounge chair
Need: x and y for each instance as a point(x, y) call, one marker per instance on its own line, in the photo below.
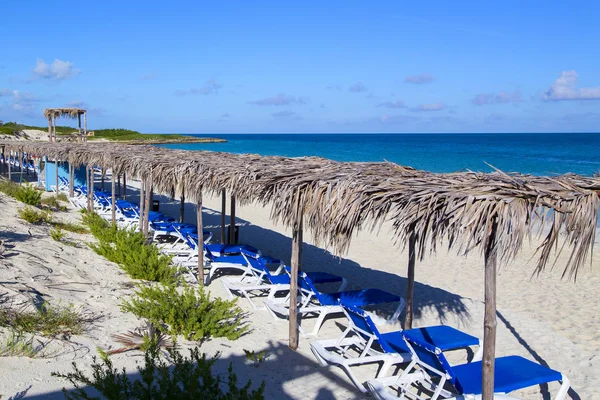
point(257, 280)
point(313, 302)
point(362, 343)
point(430, 367)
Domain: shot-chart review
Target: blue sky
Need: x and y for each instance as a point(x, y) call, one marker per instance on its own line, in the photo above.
point(277, 66)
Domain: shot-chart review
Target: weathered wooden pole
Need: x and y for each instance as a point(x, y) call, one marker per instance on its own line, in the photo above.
point(50, 128)
point(9, 165)
point(148, 193)
point(124, 186)
point(296, 268)
point(181, 206)
point(200, 246)
point(410, 276)
point(223, 211)
point(92, 186)
point(113, 197)
point(85, 126)
point(489, 327)
point(54, 128)
point(79, 126)
point(119, 187)
point(102, 179)
point(20, 153)
point(90, 190)
point(71, 180)
point(232, 221)
point(56, 175)
point(142, 187)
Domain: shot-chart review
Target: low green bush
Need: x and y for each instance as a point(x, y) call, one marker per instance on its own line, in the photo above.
point(29, 195)
point(16, 344)
point(57, 234)
point(62, 197)
point(35, 216)
point(182, 378)
point(129, 249)
point(70, 227)
point(189, 312)
point(47, 320)
point(53, 202)
point(9, 188)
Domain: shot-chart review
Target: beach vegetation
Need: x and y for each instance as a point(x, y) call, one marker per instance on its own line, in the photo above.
point(187, 311)
point(9, 188)
point(28, 195)
point(35, 216)
point(54, 203)
point(17, 344)
point(57, 234)
point(46, 320)
point(142, 339)
point(62, 197)
point(161, 377)
point(130, 251)
point(70, 227)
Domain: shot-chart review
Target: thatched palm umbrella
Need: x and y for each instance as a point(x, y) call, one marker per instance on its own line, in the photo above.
point(490, 212)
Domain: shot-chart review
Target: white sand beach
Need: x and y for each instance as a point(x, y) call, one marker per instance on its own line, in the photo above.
point(547, 319)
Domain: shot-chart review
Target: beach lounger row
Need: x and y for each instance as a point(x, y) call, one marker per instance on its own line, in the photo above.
point(412, 363)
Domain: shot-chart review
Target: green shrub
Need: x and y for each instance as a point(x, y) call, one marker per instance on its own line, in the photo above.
point(9, 188)
point(35, 216)
point(47, 320)
point(29, 195)
point(70, 227)
point(129, 249)
point(185, 378)
point(17, 345)
point(57, 234)
point(62, 197)
point(189, 312)
point(53, 202)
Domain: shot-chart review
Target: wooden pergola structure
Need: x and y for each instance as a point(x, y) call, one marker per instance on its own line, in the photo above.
point(492, 213)
point(52, 114)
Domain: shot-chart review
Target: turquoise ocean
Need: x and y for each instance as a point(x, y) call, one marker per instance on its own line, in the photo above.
point(529, 153)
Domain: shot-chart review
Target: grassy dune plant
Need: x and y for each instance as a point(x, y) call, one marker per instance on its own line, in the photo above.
point(180, 378)
point(70, 227)
point(47, 320)
point(9, 188)
point(189, 312)
point(62, 197)
point(129, 249)
point(54, 203)
point(28, 195)
point(57, 234)
point(18, 345)
point(35, 216)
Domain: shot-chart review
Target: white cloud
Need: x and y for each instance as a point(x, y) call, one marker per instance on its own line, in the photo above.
point(210, 86)
point(430, 107)
point(419, 79)
point(357, 87)
point(278, 100)
point(497, 98)
point(59, 70)
point(564, 89)
point(392, 104)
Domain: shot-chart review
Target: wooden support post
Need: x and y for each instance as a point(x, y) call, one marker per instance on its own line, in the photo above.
point(9, 165)
point(85, 126)
point(113, 196)
point(50, 128)
point(148, 193)
point(142, 187)
point(56, 175)
point(489, 327)
point(296, 268)
point(102, 179)
point(54, 128)
point(410, 287)
point(119, 187)
point(232, 221)
point(90, 190)
point(181, 207)
point(124, 186)
point(71, 180)
point(21, 154)
point(200, 246)
point(26, 156)
point(223, 211)
point(92, 187)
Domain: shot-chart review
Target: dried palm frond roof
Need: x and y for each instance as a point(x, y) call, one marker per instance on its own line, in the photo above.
point(336, 199)
point(68, 112)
